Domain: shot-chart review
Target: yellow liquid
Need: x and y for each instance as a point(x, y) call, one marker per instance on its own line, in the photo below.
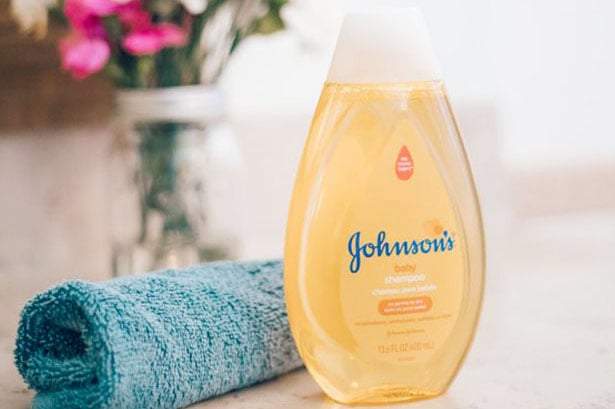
point(384, 261)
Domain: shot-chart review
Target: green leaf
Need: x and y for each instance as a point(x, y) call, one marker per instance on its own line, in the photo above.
point(271, 23)
point(113, 28)
point(116, 73)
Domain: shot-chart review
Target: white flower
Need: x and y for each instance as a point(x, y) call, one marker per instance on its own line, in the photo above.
point(32, 14)
point(194, 6)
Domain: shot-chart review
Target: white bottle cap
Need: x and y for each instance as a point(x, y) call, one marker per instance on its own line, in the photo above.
point(384, 45)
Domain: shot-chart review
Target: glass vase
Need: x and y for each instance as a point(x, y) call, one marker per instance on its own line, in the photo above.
point(173, 164)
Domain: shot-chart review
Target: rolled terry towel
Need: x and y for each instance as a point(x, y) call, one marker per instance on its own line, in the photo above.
point(157, 341)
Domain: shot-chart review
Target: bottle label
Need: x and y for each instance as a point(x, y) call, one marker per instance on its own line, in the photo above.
point(401, 280)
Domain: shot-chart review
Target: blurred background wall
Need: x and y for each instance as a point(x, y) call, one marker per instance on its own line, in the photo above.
point(531, 82)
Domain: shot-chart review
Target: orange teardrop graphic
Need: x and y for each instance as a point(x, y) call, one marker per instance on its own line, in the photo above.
point(404, 166)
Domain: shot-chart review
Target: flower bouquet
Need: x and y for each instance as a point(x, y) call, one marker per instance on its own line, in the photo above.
point(150, 43)
point(164, 56)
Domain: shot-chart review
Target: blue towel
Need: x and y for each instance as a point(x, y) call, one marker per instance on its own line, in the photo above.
point(159, 341)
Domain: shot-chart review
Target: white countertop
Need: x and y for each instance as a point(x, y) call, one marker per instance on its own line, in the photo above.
point(546, 338)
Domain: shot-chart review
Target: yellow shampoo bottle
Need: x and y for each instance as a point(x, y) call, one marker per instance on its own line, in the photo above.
point(384, 259)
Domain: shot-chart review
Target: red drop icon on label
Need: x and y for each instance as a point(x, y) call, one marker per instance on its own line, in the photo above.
point(404, 166)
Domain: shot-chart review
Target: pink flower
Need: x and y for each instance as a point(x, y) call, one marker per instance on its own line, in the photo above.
point(150, 40)
point(88, 49)
point(99, 8)
point(82, 56)
point(142, 42)
point(84, 15)
point(172, 35)
point(133, 16)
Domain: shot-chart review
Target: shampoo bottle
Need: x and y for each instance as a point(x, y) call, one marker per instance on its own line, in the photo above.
point(384, 260)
